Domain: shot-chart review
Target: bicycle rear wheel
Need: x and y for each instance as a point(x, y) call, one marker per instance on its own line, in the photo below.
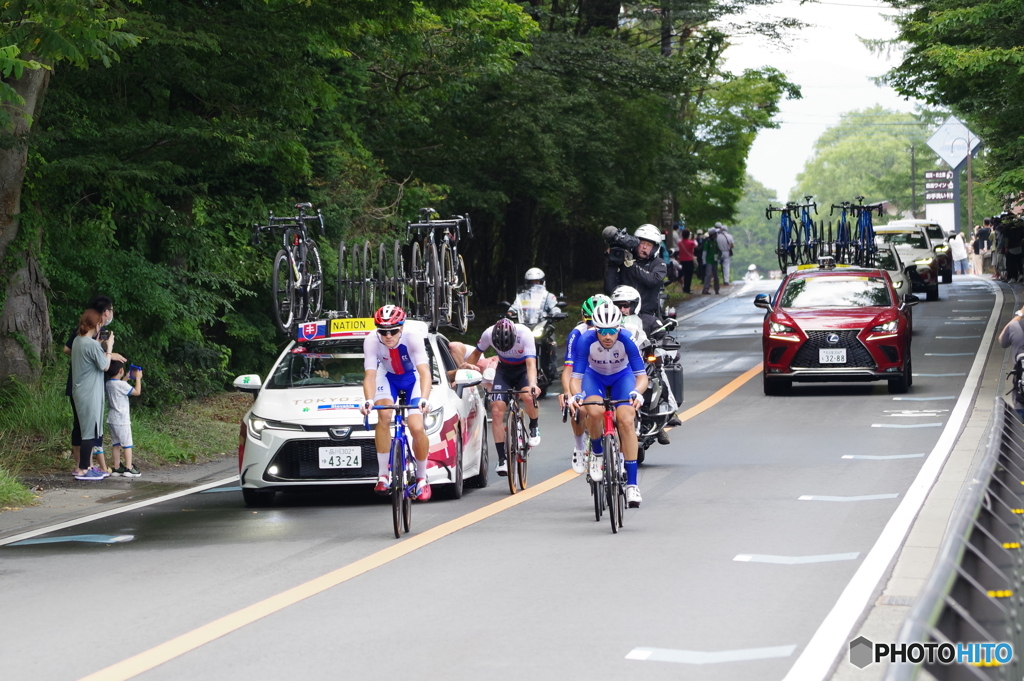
point(397, 484)
point(782, 250)
point(433, 285)
point(283, 292)
point(448, 283)
point(511, 448)
point(366, 296)
point(610, 480)
point(418, 276)
point(398, 284)
point(460, 315)
point(383, 286)
point(598, 494)
point(315, 283)
point(344, 297)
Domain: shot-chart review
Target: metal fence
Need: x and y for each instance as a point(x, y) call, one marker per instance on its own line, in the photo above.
point(974, 593)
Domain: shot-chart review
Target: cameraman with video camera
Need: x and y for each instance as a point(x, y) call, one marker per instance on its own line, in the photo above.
point(635, 261)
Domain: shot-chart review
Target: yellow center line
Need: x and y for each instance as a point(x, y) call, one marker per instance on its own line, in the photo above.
point(191, 640)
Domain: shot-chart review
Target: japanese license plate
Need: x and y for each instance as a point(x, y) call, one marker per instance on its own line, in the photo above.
point(341, 457)
point(832, 356)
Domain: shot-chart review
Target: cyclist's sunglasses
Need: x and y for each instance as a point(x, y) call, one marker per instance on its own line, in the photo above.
point(607, 332)
point(389, 332)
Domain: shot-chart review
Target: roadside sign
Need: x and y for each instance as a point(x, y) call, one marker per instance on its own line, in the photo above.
point(953, 142)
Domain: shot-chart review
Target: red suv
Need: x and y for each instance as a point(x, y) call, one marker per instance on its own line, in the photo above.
point(836, 323)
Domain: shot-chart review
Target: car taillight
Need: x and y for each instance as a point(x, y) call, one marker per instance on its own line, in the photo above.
point(241, 445)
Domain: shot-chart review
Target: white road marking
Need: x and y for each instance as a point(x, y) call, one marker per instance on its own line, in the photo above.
point(831, 639)
point(794, 560)
point(914, 412)
point(906, 425)
point(873, 457)
point(933, 375)
point(956, 337)
point(115, 511)
point(702, 657)
point(965, 322)
point(924, 399)
point(947, 354)
point(866, 497)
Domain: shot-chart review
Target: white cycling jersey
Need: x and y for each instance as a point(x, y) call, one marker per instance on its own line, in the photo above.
point(524, 348)
point(410, 352)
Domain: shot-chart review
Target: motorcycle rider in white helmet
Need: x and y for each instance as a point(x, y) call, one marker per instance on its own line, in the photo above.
point(534, 302)
point(636, 261)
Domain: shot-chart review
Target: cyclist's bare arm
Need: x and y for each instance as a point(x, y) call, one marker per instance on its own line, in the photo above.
point(531, 373)
point(423, 370)
point(369, 384)
point(471, 361)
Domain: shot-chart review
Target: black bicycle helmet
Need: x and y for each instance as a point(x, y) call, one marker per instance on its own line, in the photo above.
point(503, 335)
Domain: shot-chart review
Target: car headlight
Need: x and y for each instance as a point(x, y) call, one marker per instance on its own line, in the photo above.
point(924, 261)
point(432, 422)
point(775, 327)
point(258, 425)
point(888, 327)
point(941, 249)
point(898, 284)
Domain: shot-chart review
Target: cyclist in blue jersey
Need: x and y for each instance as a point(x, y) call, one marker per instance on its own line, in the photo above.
point(579, 450)
point(517, 369)
point(607, 358)
point(395, 359)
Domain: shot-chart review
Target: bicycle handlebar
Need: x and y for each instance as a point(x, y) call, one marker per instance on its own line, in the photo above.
point(382, 407)
point(509, 391)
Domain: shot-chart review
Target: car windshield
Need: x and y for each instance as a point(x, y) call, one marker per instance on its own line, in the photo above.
point(885, 260)
point(909, 238)
point(934, 232)
point(331, 365)
point(837, 291)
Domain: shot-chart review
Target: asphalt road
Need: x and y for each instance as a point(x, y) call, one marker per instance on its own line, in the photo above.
point(752, 524)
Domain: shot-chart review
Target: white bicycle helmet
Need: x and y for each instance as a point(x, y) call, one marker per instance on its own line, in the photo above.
point(648, 233)
point(607, 316)
point(627, 294)
point(534, 274)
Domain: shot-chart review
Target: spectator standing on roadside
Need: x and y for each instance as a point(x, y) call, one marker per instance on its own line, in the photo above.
point(985, 235)
point(710, 255)
point(105, 306)
point(725, 244)
point(698, 254)
point(976, 251)
point(89, 360)
point(1014, 247)
point(958, 249)
point(119, 416)
point(1012, 336)
point(998, 251)
point(687, 259)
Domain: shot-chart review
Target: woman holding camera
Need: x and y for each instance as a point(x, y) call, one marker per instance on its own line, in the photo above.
point(90, 358)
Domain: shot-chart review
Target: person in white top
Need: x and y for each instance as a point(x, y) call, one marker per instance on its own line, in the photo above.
point(958, 249)
point(119, 416)
point(725, 244)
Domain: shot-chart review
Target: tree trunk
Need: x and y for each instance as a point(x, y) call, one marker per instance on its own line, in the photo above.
point(24, 316)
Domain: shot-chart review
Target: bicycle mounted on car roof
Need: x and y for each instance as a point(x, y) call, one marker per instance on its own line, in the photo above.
point(437, 270)
point(864, 237)
point(297, 282)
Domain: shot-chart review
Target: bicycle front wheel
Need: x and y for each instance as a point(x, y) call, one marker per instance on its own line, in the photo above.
point(460, 316)
point(397, 484)
point(610, 480)
point(782, 250)
point(448, 282)
point(315, 284)
point(511, 448)
point(523, 459)
point(410, 488)
point(598, 494)
point(283, 291)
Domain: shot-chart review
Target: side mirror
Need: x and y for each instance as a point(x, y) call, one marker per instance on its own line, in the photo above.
point(249, 383)
point(562, 303)
point(465, 378)
point(504, 303)
point(559, 315)
point(763, 300)
point(911, 299)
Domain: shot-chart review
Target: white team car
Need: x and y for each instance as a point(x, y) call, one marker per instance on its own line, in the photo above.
point(304, 429)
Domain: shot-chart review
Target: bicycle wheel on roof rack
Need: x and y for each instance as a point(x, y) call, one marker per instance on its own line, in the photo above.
point(341, 295)
point(417, 283)
point(460, 313)
point(314, 283)
point(398, 282)
point(283, 293)
point(383, 283)
point(781, 250)
point(433, 286)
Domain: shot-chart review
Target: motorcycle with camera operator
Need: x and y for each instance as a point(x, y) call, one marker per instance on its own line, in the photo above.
point(538, 309)
point(635, 261)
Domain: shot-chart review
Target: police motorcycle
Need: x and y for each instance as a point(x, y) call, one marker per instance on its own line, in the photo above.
point(660, 353)
point(537, 309)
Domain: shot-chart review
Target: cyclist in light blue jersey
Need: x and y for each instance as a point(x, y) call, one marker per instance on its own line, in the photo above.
point(606, 358)
point(579, 450)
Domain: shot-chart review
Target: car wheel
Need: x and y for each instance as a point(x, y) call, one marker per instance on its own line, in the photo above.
point(933, 293)
point(257, 498)
point(454, 490)
point(898, 386)
point(480, 480)
point(776, 386)
point(947, 277)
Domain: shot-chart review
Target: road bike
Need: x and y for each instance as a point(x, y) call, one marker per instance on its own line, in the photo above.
point(297, 282)
point(402, 467)
point(788, 247)
point(366, 283)
point(517, 448)
point(809, 230)
point(864, 237)
point(610, 491)
point(844, 244)
point(437, 271)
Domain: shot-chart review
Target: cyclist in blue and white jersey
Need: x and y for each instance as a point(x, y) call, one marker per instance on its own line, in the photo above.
point(579, 450)
point(395, 359)
point(606, 357)
point(517, 369)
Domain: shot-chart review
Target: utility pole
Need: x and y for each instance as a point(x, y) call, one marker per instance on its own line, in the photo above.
point(913, 183)
point(970, 188)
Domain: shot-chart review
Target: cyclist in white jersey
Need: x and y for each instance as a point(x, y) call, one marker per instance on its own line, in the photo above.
point(395, 360)
point(517, 369)
point(605, 358)
point(579, 431)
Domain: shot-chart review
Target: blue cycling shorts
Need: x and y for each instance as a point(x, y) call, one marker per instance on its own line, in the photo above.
point(389, 384)
point(621, 384)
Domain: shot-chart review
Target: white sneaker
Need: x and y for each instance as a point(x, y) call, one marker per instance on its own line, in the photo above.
point(579, 461)
point(502, 469)
point(534, 437)
point(596, 468)
point(633, 497)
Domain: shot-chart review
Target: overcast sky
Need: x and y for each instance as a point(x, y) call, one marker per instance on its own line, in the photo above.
point(834, 71)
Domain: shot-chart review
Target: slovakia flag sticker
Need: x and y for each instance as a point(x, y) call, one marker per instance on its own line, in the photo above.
point(311, 330)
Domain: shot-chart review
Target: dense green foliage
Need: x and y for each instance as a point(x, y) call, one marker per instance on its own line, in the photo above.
point(755, 236)
point(544, 122)
point(967, 55)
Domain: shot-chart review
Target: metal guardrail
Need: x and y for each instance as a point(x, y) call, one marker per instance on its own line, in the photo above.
point(975, 591)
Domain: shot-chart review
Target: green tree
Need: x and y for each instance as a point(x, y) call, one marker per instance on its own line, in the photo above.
point(35, 36)
point(754, 234)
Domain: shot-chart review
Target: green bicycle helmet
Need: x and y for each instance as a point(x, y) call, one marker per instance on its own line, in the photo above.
point(587, 308)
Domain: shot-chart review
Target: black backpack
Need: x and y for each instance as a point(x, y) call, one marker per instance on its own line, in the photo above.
point(1017, 374)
